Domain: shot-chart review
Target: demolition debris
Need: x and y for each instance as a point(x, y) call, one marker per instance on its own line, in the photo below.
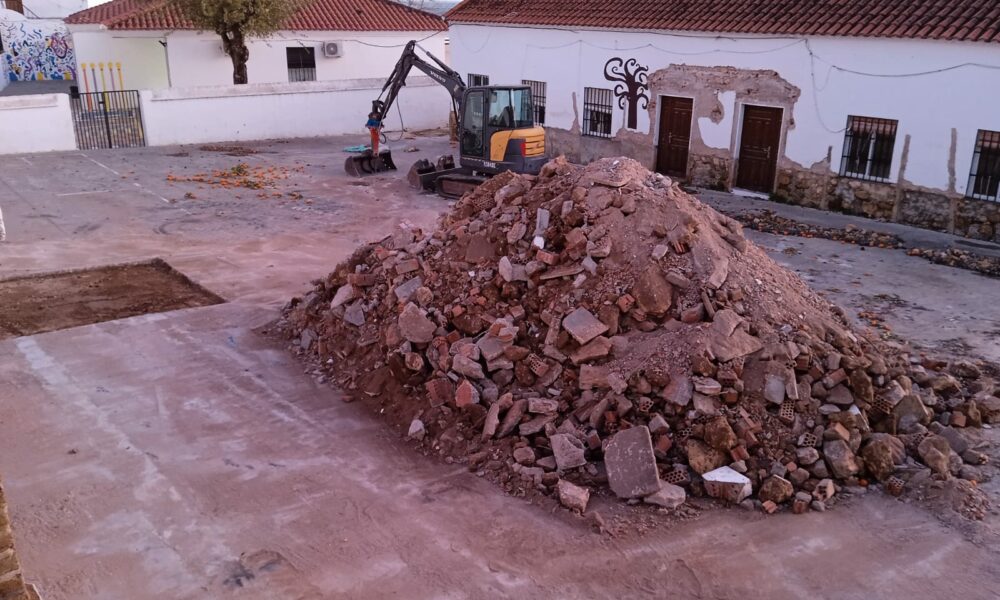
point(596, 331)
point(768, 221)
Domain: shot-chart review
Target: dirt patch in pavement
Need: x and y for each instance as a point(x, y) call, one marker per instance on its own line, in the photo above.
point(49, 302)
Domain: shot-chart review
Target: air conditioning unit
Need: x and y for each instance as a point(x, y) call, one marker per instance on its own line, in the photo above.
point(333, 49)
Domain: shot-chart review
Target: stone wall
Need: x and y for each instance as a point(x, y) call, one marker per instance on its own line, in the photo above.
point(710, 171)
point(926, 209)
point(12, 586)
point(900, 202)
point(977, 219)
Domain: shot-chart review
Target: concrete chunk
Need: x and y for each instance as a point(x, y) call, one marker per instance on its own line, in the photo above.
point(415, 326)
point(653, 293)
point(568, 450)
point(583, 325)
point(631, 464)
point(345, 294)
point(572, 496)
point(669, 496)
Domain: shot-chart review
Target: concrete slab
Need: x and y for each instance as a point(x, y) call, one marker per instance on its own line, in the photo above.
point(183, 456)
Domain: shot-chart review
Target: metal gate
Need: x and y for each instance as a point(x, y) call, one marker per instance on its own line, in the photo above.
point(107, 119)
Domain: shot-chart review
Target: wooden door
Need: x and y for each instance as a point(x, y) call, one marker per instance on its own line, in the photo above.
point(675, 136)
point(759, 143)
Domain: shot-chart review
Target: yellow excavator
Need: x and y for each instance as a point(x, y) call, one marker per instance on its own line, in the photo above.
point(497, 131)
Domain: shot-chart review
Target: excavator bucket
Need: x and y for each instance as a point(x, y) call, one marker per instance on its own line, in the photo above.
point(369, 164)
point(423, 175)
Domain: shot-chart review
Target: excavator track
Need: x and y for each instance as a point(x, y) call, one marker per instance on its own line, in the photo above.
point(455, 186)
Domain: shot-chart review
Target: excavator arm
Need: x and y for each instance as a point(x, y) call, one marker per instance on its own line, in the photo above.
point(369, 162)
point(438, 71)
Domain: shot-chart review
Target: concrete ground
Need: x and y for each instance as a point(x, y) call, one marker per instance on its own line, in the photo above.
point(183, 456)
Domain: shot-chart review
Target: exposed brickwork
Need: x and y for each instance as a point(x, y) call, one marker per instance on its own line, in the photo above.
point(12, 585)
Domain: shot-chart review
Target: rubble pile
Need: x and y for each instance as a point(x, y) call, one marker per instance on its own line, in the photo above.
point(598, 330)
point(962, 259)
point(768, 221)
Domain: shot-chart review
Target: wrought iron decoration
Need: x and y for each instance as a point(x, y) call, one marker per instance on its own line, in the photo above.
point(631, 85)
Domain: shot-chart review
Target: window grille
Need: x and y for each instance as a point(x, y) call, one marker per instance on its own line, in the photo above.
point(477, 80)
point(538, 90)
point(984, 178)
point(868, 147)
point(597, 110)
point(301, 64)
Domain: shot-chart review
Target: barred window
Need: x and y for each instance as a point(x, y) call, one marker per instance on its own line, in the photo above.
point(984, 178)
point(476, 80)
point(868, 147)
point(301, 64)
point(538, 89)
point(597, 110)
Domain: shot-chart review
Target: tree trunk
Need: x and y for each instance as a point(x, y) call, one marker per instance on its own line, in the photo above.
point(234, 43)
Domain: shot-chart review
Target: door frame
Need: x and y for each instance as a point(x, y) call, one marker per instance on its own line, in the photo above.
point(656, 126)
point(738, 138)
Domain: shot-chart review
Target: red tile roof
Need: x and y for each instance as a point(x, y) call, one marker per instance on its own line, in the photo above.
point(316, 15)
point(963, 20)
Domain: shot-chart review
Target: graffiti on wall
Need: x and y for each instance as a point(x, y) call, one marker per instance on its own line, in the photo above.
point(631, 86)
point(37, 50)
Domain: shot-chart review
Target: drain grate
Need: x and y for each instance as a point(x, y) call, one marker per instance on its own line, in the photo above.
point(52, 301)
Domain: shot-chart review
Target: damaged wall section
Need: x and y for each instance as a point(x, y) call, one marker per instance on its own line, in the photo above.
point(818, 82)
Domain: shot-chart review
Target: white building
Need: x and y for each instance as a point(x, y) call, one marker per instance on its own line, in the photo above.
point(885, 109)
point(327, 40)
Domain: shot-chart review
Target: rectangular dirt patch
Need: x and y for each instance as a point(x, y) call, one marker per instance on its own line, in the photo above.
point(52, 301)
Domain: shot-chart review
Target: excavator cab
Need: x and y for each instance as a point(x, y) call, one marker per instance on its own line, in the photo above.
point(498, 131)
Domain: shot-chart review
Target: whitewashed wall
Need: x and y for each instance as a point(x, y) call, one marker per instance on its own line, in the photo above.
point(927, 107)
point(289, 110)
point(143, 58)
point(40, 123)
point(191, 58)
point(196, 58)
